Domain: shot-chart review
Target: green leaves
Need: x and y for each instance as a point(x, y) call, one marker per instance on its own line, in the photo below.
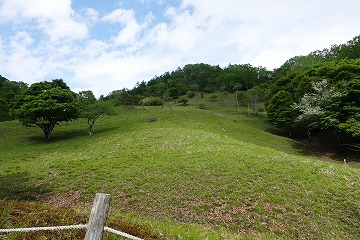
point(45, 104)
point(319, 109)
point(91, 109)
point(8, 91)
point(325, 98)
point(352, 126)
point(279, 109)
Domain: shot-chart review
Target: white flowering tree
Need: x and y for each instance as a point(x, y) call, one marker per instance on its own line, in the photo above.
point(319, 109)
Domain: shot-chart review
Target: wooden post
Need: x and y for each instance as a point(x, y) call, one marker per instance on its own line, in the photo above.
point(98, 216)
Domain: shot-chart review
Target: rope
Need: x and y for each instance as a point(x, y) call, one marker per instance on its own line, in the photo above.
point(55, 228)
point(80, 226)
point(121, 233)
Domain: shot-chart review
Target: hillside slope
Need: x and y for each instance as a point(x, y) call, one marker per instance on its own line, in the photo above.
point(190, 166)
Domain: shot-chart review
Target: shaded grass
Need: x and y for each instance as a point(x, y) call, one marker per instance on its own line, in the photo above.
point(19, 186)
point(193, 166)
point(15, 214)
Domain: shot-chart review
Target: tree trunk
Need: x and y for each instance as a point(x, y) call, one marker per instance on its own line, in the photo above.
point(308, 133)
point(237, 100)
point(47, 134)
point(91, 124)
point(90, 130)
point(47, 129)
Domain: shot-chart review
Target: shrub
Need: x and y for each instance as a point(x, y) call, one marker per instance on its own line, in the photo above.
point(152, 101)
point(202, 105)
point(183, 100)
point(213, 97)
point(190, 94)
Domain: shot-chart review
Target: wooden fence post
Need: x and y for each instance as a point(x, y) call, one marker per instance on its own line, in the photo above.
point(98, 216)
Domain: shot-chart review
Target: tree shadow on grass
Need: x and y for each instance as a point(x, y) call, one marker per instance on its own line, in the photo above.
point(299, 148)
point(62, 135)
point(18, 186)
point(327, 150)
point(319, 147)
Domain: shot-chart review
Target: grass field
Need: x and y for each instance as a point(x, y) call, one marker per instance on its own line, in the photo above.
point(194, 174)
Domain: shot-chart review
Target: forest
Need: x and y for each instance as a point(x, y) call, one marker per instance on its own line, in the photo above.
point(312, 96)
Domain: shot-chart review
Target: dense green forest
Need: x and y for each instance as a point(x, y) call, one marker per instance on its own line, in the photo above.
point(313, 95)
point(319, 94)
point(8, 91)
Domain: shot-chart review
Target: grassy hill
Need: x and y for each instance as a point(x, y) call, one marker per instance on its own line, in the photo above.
point(192, 174)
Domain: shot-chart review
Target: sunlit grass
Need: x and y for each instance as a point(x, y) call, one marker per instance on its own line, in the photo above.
point(219, 173)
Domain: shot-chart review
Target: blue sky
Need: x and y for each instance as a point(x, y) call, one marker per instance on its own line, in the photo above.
point(105, 45)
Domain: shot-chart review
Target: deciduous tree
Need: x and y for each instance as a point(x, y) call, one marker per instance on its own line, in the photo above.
point(280, 111)
point(91, 109)
point(45, 104)
point(254, 96)
point(320, 109)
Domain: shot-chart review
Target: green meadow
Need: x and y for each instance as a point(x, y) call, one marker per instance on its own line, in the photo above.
point(213, 173)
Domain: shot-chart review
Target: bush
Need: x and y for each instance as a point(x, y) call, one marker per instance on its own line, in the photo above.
point(202, 105)
point(190, 94)
point(152, 101)
point(183, 100)
point(213, 97)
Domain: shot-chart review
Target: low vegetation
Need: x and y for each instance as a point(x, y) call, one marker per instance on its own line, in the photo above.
point(194, 173)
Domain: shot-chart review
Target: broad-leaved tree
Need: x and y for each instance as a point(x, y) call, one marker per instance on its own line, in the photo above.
point(45, 104)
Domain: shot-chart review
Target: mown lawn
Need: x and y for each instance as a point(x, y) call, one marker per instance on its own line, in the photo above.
point(218, 170)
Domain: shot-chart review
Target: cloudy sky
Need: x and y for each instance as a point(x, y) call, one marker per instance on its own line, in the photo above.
point(105, 45)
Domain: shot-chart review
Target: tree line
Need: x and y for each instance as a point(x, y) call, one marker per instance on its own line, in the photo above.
point(319, 99)
point(8, 91)
point(192, 78)
point(319, 94)
point(314, 94)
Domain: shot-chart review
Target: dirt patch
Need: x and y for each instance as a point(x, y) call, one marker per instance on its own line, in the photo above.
point(66, 200)
point(153, 120)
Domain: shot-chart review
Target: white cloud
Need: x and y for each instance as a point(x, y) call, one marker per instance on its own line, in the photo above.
point(216, 32)
point(122, 16)
point(129, 23)
point(22, 39)
point(54, 18)
point(148, 2)
point(88, 15)
point(93, 49)
point(257, 28)
point(131, 28)
point(94, 90)
point(112, 71)
point(20, 61)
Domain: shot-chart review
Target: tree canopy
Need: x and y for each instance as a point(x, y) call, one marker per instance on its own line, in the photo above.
point(45, 104)
point(91, 108)
point(280, 111)
point(8, 90)
point(325, 97)
point(199, 77)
